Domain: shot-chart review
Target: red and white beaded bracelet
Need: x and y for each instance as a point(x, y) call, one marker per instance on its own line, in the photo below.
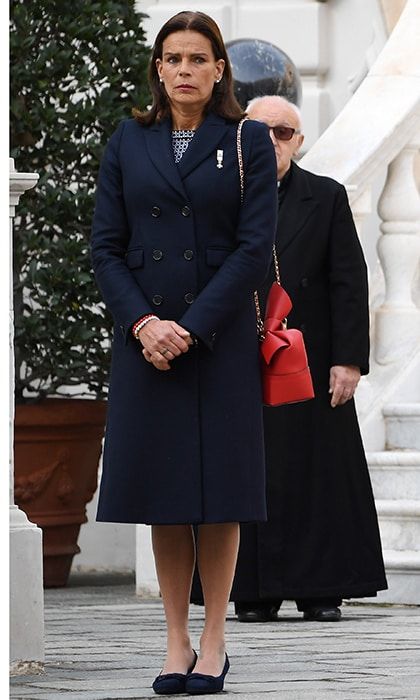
point(141, 323)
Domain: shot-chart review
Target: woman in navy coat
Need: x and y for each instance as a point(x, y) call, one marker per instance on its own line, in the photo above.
point(177, 257)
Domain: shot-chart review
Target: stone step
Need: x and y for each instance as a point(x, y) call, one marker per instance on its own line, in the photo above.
point(399, 523)
point(405, 560)
point(402, 426)
point(403, 576)
point(395, 474)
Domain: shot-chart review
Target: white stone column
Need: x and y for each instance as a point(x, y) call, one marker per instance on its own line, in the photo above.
point(397, 321)
point(26, 588)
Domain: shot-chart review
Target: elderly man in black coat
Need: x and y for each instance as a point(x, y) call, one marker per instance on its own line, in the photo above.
point(321, 542)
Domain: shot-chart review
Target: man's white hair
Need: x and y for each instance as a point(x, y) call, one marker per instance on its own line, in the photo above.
point(276, 100)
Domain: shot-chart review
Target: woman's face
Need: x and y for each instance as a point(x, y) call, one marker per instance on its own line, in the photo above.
point(188, 69)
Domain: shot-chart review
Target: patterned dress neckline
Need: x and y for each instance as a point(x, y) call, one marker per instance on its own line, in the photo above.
point(181, 139)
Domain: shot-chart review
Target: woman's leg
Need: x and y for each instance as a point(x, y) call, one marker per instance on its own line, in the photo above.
point(174, 551)
point(217, 552)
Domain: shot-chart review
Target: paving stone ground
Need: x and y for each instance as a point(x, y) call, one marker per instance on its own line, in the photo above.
point(104, 643)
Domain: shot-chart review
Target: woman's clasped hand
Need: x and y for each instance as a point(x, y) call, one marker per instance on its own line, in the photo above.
point(162, 341)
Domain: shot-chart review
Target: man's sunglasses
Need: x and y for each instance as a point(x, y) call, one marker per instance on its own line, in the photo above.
point(283, 133)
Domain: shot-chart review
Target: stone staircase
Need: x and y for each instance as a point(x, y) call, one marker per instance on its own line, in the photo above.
point(395, 475)
point(386, 106)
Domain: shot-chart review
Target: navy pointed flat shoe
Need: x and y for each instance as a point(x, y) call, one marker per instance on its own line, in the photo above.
point(172, 683)
point(201, 684)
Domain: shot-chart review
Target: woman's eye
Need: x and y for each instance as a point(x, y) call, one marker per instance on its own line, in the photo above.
point(199, 59)
point(172, 59)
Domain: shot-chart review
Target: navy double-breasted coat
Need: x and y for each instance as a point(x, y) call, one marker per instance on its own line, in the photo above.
point(186, 445)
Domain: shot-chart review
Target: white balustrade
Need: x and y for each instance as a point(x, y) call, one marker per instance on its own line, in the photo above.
point(397, 321)
point(361, 206)
point(26, 589)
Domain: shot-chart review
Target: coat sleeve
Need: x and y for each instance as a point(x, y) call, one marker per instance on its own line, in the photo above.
point(348, 290)
point(245, 268)
point(109, 241)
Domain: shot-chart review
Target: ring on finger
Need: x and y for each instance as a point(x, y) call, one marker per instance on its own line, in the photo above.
point(165, 351)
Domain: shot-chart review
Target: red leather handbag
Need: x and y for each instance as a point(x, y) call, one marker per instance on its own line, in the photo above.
point(285, 373)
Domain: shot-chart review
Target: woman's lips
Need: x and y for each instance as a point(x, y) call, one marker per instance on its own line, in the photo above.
point(185, 87)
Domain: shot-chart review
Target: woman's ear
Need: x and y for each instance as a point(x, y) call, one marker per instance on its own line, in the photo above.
point(220, 64)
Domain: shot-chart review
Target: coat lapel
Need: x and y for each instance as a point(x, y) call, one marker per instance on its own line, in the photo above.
point(159, 146)
point(206, 140)
point(297, 207)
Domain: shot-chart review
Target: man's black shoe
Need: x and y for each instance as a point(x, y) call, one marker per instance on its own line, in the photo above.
point(322, 614)
point(261, 614)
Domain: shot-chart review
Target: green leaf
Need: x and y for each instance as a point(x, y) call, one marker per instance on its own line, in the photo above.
point(77, 69)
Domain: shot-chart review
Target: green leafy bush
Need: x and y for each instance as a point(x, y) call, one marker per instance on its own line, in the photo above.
point(77, 69)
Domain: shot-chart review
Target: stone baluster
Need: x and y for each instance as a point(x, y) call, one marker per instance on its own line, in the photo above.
point(26, 589)
point(397, 320)
point(361, 205)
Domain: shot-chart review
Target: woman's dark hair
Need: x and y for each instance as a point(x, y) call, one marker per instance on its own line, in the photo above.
point(223, 101)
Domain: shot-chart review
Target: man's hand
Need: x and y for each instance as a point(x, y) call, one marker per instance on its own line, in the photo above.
point(343, 382)
point(163, 341)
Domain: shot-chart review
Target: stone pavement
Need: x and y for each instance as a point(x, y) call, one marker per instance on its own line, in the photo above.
point(103, 643)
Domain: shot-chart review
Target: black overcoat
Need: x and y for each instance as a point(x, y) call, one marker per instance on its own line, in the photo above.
point(186, 445)
point(322, 537)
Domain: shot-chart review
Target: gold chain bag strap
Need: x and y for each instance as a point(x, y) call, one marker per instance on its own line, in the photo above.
point(285, 372)
point(260, 322)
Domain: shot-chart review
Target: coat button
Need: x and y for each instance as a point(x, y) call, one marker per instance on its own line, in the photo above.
point(155, 211)
point(157, 299)
point(304, 282)
point(188, 254)
point(189, 297)
point(157, 255)
point(185, 211)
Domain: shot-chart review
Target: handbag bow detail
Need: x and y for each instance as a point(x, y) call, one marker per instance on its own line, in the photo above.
point(285, 373)
point(278, 339)
point(278, 308)
point(275, 335)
